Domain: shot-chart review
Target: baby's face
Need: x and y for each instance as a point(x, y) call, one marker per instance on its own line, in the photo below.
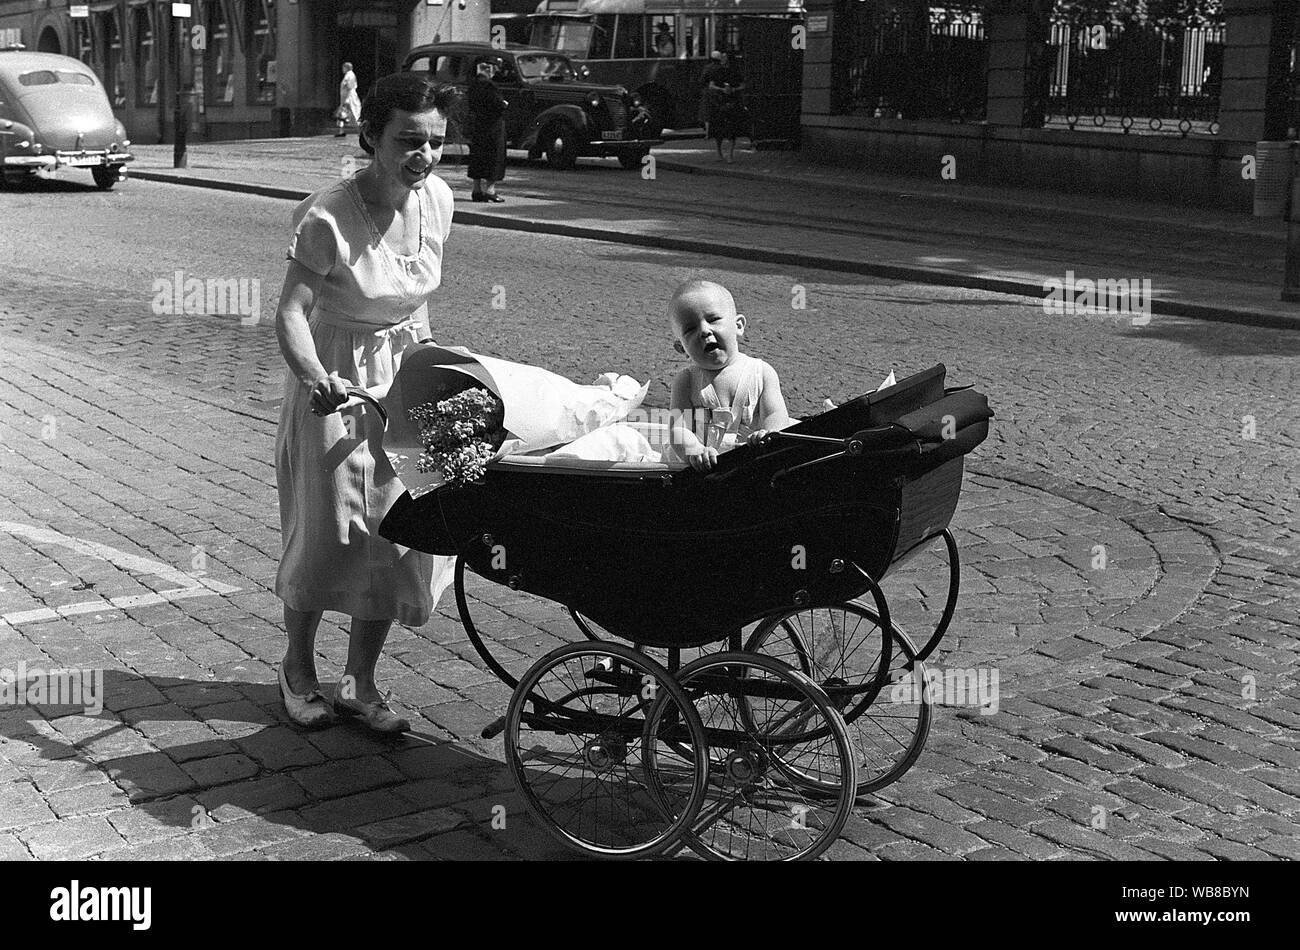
point(708, 328)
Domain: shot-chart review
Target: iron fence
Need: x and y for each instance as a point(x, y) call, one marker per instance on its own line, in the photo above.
point(913, 60)
point(1140, 77)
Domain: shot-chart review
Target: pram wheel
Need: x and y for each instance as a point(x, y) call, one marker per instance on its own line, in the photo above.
point(842, 648)
point(538, 611)
point(765, 724)
point(583, 724)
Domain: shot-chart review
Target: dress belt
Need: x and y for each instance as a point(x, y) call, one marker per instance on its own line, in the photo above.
point(344, 322)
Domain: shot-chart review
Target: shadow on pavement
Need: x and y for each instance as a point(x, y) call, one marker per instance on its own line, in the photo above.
point(1215, 339)
point(226, 750)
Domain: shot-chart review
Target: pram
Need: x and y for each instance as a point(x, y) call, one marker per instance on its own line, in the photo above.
point(757, 751)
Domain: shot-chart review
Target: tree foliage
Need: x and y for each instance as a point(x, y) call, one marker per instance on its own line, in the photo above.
point(1118, 12)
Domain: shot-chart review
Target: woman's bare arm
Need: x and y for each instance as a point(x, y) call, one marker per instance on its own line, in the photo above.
point(297, 300)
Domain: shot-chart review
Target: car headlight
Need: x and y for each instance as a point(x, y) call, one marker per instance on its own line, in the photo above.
point(593, 101)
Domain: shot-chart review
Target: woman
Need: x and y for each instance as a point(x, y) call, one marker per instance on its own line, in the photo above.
point(349, 104)
point(726, 116)
point(487, 134)
point(365, 256)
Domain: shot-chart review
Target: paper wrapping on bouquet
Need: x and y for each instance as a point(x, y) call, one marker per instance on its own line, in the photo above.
point(542, 409)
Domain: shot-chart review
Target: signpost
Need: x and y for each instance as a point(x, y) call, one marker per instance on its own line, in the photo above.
point(181, 116)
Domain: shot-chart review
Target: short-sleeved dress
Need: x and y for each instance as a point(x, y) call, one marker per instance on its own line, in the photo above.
point(335, 483)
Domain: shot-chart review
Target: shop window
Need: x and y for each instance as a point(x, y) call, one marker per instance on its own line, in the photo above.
point(220, 56)
point(112, 69)
point(261, 50)
point(145, 58)
point(83, 41)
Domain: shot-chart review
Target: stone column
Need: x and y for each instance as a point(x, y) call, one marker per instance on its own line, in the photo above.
point(1019, 65)
point(1248, 109)
point(820, 22)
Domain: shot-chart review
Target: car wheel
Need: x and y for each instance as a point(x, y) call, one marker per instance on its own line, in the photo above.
point(631, 160)
point(106, 176)
point(562, 146)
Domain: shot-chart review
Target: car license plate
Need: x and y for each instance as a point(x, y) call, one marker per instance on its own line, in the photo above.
point(84, 161)
point(611, 136)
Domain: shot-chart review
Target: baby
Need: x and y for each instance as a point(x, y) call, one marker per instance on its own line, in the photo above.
point(739, 394)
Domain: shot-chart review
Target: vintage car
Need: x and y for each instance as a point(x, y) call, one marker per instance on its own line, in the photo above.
point(552, 111)
point(54, 113)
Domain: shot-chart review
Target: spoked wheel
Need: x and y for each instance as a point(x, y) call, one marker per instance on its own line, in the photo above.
point(842, 650)
point(587, 725)
point(508, 663)
point(764, 723)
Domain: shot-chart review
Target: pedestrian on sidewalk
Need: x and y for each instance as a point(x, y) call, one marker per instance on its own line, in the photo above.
point(487, 133)
point(364, 259)
point(349, 110)
point(726, 113)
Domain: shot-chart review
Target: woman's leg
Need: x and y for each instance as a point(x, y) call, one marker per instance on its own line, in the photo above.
point(300, 656)
point(364, 646)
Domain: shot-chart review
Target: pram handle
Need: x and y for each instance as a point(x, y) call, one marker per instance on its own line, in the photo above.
point(357, 396)
point(888, 440)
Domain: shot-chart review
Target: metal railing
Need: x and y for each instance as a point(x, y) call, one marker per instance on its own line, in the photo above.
point(1138, 77)
point(916, 60)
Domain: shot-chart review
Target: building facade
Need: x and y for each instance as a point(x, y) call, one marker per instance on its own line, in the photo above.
point(244, 68)
point(1161, 99)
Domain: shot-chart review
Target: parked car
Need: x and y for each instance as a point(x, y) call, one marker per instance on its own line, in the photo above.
point(54, 113)
point(552, 111)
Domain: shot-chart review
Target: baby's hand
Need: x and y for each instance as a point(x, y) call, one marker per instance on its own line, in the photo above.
point(704, 459)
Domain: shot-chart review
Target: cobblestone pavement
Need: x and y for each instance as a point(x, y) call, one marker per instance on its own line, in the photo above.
point(779, 202)
point(1148, 707)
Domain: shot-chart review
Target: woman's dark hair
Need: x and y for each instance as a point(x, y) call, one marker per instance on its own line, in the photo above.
point(411, 92)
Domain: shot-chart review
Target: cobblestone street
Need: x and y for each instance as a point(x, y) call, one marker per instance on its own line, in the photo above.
point(1128, 536)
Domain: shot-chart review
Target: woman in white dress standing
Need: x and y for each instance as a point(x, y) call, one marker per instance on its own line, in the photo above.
point(349, 110)
point(365, 256)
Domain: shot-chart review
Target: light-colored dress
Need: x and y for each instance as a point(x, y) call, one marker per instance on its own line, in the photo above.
point(335, 483)
point(349, 102)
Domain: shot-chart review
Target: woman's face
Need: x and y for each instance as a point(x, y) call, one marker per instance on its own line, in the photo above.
point(410, 146)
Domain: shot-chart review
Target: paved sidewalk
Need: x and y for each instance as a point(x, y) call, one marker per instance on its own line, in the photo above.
point(1118, 700)
point(1201, 262)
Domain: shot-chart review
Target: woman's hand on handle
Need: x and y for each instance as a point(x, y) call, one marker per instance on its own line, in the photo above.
point(328, 393)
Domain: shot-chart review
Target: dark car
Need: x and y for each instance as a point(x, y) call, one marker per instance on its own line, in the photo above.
point(552, 111)
point(54, 114)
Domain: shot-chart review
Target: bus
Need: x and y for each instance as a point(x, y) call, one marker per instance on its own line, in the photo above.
point(656, 48)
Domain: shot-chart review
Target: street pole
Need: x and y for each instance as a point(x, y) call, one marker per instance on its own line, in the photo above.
point(181, 116)
point(1291, 282)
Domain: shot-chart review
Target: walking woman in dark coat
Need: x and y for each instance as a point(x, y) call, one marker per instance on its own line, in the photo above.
point(487, 134)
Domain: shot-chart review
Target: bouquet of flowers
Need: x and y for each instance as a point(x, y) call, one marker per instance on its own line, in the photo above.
point(460, 434)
